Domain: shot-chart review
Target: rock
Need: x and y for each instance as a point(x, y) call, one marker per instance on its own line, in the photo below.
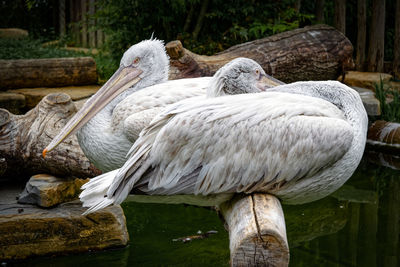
point(46, 190)
point(385, 136)
point(365, 79)
point(13, 102)
point(27, 230)
point(34, 95)
point(395, 85)
point(13, 33)
point(371, 103)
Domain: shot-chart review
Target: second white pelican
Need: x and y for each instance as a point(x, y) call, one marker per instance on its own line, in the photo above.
point(299, 142)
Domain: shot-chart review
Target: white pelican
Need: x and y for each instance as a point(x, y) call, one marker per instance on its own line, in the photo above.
point(107, 137)
point(299, 142)
point(142, 65)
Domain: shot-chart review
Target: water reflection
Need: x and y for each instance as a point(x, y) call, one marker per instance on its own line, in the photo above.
point(371, 232)
point(356, 226)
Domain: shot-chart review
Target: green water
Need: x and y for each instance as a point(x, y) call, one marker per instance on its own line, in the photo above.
point(356, 226)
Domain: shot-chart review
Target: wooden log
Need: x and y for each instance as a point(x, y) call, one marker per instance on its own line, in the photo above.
point(47, 72)
point(317, 52)
point(23, 137)
point(257, 232)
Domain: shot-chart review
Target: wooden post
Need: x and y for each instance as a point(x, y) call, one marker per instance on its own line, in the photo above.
point(92, 33)
point(340, 15)
point(396, 47)
point(361, 33)
point(319, 11)
point(377, 37)
point(84, 23)
point(257, 232)
point(61, 17)
point(77, 15)
point(74, 9)
point(99, 34)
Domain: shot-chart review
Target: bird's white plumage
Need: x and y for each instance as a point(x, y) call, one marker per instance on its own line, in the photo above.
point(292, 143)
point(137, 110)
point(107, 137)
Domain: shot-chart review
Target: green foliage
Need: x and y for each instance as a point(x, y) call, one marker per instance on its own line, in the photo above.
point(390, 109)
point(31, 48)
point(226, 23)
point(36, 16)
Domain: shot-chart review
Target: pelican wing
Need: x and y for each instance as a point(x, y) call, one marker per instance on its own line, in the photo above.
point(242, 143)
point(143, 105)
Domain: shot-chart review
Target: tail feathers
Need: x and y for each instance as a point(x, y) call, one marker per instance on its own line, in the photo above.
point(105, 202)
point(94, 192)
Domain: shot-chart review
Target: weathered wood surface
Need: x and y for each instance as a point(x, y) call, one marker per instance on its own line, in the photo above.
point(23, 137)
point(318, 52)
point(47, 72)
point(257, 232)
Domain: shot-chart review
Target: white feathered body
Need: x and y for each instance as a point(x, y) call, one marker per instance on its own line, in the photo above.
point(108, 136)
point(292, 143)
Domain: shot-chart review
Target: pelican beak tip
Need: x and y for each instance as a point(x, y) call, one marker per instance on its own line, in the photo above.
point(44, 153)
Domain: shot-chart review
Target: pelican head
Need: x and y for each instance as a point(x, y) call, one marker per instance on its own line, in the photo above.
point(142, 65)
point(239, 76)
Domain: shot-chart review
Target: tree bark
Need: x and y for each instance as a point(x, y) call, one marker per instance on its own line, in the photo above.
point(340, 15)
point(23, 137)
point(257, 232)
point(396, 47)
point(47, 72)
point(312, 53)
point(189, 18)
point(361, 33)
point(319, 11)
point(377, 37)
point(200, 19)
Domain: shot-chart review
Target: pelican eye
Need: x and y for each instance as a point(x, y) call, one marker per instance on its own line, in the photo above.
point(257, 71)
point(136, 61)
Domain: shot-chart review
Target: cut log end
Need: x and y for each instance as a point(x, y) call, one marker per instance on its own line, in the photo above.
point(175, 49)
point(57, 98)
point(4, 116)
point(257, 232)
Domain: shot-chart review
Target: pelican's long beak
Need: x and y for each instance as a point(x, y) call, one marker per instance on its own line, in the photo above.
point(121, 80)
point(267, 81)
